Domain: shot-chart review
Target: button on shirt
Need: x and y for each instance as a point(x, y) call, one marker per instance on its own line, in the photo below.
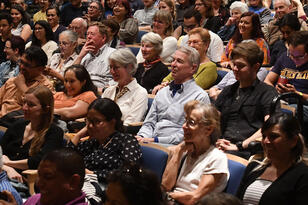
point(98, 66)
point(166, 116)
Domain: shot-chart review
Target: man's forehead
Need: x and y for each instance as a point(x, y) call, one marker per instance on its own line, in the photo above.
point(191, 20)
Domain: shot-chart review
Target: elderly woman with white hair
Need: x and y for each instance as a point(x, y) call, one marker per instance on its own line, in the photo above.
point(237, 8)
point(60, 61)
point(152, 71)
point(196, 167)
point(127, 93)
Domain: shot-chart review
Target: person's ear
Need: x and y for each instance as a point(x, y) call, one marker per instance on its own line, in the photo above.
point(256, 67)
point(194, 68)
point(74, 182)
point(16, 51)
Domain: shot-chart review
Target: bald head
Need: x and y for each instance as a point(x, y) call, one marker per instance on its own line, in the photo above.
point(79, 25)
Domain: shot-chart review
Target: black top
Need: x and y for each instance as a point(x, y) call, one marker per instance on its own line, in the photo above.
point(102, 159)
point(243, 110)
point(289, 188)
point(214, 24)
point(2, 53)
point(69, 12)
point(152, 77)
point(57, 32)
point(12, 145)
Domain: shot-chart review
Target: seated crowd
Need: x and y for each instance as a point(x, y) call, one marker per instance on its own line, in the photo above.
point(77, 76)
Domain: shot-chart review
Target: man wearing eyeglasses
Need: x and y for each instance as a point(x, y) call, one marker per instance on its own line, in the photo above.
point(292, 66)
point(31, 65)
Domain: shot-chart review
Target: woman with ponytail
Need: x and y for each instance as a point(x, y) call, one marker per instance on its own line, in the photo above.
point(29, 139)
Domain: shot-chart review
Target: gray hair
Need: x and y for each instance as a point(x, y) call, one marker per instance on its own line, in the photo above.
point(193, 55)
point(82, 21)
point(125, 57)
point(240, 6)
point(154, 39)
point(73, 36)
point(100, 6)
point(286, 2)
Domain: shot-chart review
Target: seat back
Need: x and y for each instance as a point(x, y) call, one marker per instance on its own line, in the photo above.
point(139, 36)
point(154, 157)
point(237, 166)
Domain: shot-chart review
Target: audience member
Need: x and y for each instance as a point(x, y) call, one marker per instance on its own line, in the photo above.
point(95, 11)
point(237, 8)
point(133, 185)
point(122, 14)
point(94, 55)
point(208, 21)
point(79, 93)
point(53, 15)
point(108, 148)
point(219, 199)
point(41, 14)
point(205, 168)
point(282, 7)
point(283, 171)
point(60, 179)
point(162, 25)
point(21, 23)
point(31, 65)
point(79, 25)
point(145, 16)
point(181, 8)
point(71, 11)
point(113, 29)
point(28, 140)
point(164, 121)
point(257, 7)
point(5, 183)
point(287, 25)
point(108, 7)
point(205, 77)
point(67, 56)
point(169, 5)
point(152, 71)
point(14, 48)
point(221, 10)
point(43, 37)
point(127, 93)
point(192, 20)
point(6, 25)
point(244, 105)
point(249, 28)
point(293, 66)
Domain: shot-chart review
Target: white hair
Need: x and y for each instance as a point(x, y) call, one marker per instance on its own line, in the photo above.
point(286, 2)
point(240, 6)
point(154, 39)
point(125, 57)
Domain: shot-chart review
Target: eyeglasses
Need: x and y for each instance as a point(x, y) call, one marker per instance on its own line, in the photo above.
point(192, 123)
point(5, 47)
point(295, 57)
point(38, 29)
point(94, 122)
point(63, 43)
point(93, 7)
point(189, 27)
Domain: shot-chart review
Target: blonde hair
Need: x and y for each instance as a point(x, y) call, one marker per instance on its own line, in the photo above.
point(45, 97)
point(204, 34)
point(166, 17)
point(171, 5)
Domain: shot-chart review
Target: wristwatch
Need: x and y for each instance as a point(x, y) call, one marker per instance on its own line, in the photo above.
point(239, 146)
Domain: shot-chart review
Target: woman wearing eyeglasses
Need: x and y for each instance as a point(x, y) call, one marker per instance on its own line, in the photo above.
point(205, 168)
point(108, 148)
point(60, 61)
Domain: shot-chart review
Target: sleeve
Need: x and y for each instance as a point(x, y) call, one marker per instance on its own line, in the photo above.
point(224, 32)
point(131, 151)
point(138, 106)
point(216, 48)
point(148, 126)
point(278, 65)
point(53, 140)
point(175, 138)
point(264, 47)
point(225, 55)
point(217, 165)
point(84, 148)
point(267, 99)
point(129, 32)
point(207, 77)
point(229, 79)
point(169, 47)
point(87, 97)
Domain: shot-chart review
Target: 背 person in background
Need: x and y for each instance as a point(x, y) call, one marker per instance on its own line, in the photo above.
point(21, 23)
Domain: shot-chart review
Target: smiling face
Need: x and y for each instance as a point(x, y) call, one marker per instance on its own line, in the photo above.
point(281, 9)
point(39, 32)
point(52, 17)
point(119, 10)
point(159, 26)
point(119, 73)
point(49, 178)
point(8, 50)
point(182, 70)
point(72, 85)
point(16, 16)
point(245, 26)
point(148, 51)
point(200, 6)
point(195, 130)
point(32, 107)
point(196, 42)
point(5, 28)
point(94, 11)
point(298, 54)
point(29, 69)
point(236, 13)
point(277, 146)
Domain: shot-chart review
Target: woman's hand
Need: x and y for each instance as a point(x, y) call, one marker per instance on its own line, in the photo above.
point(225, 145)
point(12, 174)
point(5, 159)
point(231, 21)
point(89, 171)
point(10, 199)
point(158, 87)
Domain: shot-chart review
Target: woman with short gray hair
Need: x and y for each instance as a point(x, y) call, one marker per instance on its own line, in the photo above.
point(127, 93)
point(60, 61)
point(152, 71)
point(237, 8)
